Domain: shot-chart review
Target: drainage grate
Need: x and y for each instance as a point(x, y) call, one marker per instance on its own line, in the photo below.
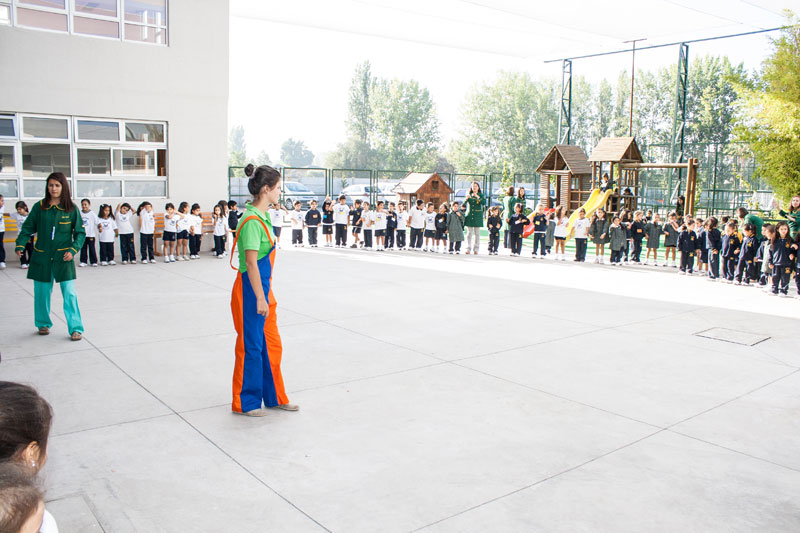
point(732, 335)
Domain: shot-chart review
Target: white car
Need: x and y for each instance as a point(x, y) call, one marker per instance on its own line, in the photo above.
point(363, 192)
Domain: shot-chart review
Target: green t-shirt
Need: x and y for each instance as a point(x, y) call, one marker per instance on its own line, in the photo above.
point(251, 236)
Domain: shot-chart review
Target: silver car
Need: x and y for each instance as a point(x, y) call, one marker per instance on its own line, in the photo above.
point(293, 191)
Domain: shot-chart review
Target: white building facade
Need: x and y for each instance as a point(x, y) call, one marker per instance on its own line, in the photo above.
point(128, 98)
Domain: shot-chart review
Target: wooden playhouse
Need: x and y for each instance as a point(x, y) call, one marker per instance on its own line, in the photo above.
point(420, 186)
point(621, 159)
point(567, 169)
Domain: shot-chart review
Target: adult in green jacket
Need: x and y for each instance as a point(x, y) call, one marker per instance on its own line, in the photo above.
point(793, 215)
point(474, 217)
point(59, 235)
point(508, 209)
point(750, 218)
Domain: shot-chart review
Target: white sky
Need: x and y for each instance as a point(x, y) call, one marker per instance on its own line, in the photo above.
point(291, 61)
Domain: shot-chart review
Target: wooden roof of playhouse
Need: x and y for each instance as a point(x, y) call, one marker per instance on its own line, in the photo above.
point(617, 149)
point(565, 157)
point(414, 181)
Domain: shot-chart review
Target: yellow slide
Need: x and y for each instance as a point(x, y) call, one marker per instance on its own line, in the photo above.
point(596, 200)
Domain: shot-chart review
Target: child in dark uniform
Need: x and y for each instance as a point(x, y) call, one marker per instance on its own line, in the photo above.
point(713, 245)
point(313, 219)
point(702, 250)
point(327, 222)
point(687, 244)
point(539, 230)
point(637, 235)
point(670, 238)
point(441, 229)
point(729, 252)
point(550, 232)
point(516, 225)
point(618, 240)
point(745, 267)
point(762, 256)
point(355, 213)
point(391, 226)
point(653, 231)
point(782, 255)
point(493, 224)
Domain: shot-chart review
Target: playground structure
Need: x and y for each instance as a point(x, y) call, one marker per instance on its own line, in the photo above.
point(426, 187)
point(567, 168)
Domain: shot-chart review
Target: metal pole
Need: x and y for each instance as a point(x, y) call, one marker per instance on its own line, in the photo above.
point(565, 117)
point(633, 75)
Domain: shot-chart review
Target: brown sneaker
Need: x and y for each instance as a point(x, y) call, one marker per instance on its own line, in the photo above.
point(44, 331)
point(288, 407)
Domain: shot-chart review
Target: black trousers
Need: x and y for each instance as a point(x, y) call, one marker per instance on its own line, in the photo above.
point(389, 238)
point(616, 256)
point(297, 236)
point(687, 262)
point(627, 249)
point(194, 244)
point(219, 244)
point(367, 238)
point(88, 251)
point(312, 235)
point(780, 278)
point(401, 238)
point(106, 251)
point(2, 248)
point(729, 267)
point(637, 250)
point(416, 238)
point(146, 246)
point(341, 234)
point(744, 270)
point(580, 249)
point(455, 246)
point(494, 241)
point(538, 243)
point(25, 258)
point(126, 248)
point(713, 263)
point(505, 238)
point(515, 242)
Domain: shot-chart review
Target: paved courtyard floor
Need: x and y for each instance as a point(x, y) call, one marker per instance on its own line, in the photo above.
point(437, 393)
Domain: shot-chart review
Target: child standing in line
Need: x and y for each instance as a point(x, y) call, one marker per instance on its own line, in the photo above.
point(367, 221)
point(171, 219)
point(560, 232)
point(782, 253)
point(713, 245)
point(653, 232)
point(391, 226)
point(379, 226)
point(417, 224)
point(276, 212)
point(20, 215)
point(539, 230)
point(580, 230)
point(745, 267)
point(598, 231)
point(219, 221)
point(626, 220)
point(441, 229)
point(768, 230)
point(648, 217)
point(296, 219)
point(618, 237)
point(550, 232)
point(430, 227)
point(356, 214)
point(233, 219)
point(182, 246)
point(195, 219)
point(687, 244)
point(702, 250)
point(122, 215)
point(313, 219)
point(455, 228)
point(493, 224)
point(147, 227)
point(327, 221)
point(730, 251)
point(671, 231)
point(90, 222)
point(341, 215)
point(107, 230)
point(402, 224)
point(516, 225)
point(637, 235)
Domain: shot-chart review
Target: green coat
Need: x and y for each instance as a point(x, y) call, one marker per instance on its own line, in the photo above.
point(57, 232)
point(455, 226)
point(474, 216)
point(794, 225)
point(755, 220)
point(619, 237)
point(508, 209)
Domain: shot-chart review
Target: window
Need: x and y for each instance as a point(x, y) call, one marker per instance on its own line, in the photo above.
point(5, 13)
point(7, 163)
point(95, 130)
point(142, 132)
point(7, 128)
point(8, 188)
point(39, 159)
point(99, 188)
point(135, 162)
point(102, 8)
point(45, 128)
point(92, 161)
point(43, 14)
point(146, 21)
point(144, 189)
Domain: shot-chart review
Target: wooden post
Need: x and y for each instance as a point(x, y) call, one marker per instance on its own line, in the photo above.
point(636, 189)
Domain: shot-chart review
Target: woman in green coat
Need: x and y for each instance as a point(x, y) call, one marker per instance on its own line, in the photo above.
point(508, 209)
point(473, 219)
point(59, 235)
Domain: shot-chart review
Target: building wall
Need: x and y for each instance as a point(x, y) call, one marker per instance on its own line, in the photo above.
point(184, 84)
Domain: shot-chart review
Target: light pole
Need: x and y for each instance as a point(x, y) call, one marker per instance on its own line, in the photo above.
point(633, 75)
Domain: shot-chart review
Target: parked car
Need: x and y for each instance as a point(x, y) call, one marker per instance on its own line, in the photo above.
point(363, 192)
point(294, 190)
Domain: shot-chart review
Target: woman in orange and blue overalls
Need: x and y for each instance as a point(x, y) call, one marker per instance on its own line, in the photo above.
point(257, 372)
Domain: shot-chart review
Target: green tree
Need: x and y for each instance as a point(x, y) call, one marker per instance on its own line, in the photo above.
point(768, 114)
point(359, 119)
point(711, 99)
point(237, 148)
point(263, 158)
point(512, 120)
point(295, 154)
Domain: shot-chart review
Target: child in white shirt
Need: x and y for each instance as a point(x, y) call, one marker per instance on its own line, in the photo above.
point(90, 222)
point(430, 228)
point(171, 219)
point(276, 213)
point(19, 216)
point(122, 215)
point(183, 231)
point(402, 224)
point(297, 219)
point(368, 220)
point(341, 215)
point(379, 225)
point(220, 222)
point(147, 227)
point(417, 224)
point(580, 229)
point(195, 231)
point(107, 230)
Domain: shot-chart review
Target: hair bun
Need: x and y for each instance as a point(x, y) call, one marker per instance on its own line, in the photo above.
point(249, 169)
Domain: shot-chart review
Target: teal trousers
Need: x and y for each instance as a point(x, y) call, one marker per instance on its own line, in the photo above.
point(41, 305)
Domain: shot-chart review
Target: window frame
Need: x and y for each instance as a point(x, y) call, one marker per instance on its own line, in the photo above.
point(22, 138)
point(78, 140)
point(65, 11)
point(10, 5)
point(124, 137)
point(15, 125)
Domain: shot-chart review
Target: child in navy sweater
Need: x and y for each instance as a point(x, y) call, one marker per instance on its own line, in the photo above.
point(713, 245)
point(782, 254)
point(687, 244)
point(516, 225)
point(730, 251)
point(702, 250)
point(493, 224)
point(745, 267)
